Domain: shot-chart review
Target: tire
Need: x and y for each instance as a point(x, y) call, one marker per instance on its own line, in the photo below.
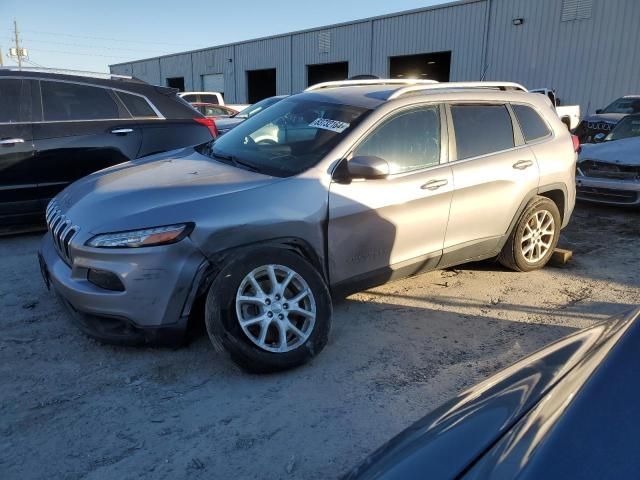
point(246, 344)
point(516, 253)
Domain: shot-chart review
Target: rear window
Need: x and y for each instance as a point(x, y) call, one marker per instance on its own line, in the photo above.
point(209, 98)
point(10, 100)
point(532, 126)
point(70, 101)
point(190, 98)
point(137, 106)
point(481, 129)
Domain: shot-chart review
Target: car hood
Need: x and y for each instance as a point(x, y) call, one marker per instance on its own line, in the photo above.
point(152, 191)
point(625, 151)
point(606, 117)
point(224, 124)
point(445, 443)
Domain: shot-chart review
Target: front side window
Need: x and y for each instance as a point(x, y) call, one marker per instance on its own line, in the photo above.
point(70, 101)
point(532, 126)
point(10, 91)
point(137, 105)
point(287, 138)
point(408, 141)
point(481, 129)
point(626, 128)
point(624, 105)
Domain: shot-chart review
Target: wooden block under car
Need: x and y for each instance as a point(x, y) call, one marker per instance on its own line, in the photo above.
point(560, 257)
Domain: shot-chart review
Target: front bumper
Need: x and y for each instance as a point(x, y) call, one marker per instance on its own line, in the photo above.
point(160, 284)
point(611, 192)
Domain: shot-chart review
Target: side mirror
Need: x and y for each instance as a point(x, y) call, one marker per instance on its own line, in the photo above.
point(369, 167)
point(598, 111)
point(599, 138)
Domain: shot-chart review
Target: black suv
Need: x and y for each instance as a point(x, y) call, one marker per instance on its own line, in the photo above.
point(56, 128)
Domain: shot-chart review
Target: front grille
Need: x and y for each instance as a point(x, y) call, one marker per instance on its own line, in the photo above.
point(607, 195)
point(62, 230)
point(600, 126)
point(594, 168)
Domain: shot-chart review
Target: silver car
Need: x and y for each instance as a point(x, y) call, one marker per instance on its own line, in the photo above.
point(342, 187)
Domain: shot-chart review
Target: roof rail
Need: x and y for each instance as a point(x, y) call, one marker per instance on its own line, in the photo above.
point(376, 81)
point(458, 85)
point(80, 73)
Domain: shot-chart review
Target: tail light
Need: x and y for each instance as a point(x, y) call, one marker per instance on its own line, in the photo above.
point(576, 143)
point(209, 123)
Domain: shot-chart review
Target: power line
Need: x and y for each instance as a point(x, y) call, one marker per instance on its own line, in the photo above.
point(109, 39)
point(76, 53)
point(91, 46)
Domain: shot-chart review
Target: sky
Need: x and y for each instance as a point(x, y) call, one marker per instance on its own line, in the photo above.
point(90, 34)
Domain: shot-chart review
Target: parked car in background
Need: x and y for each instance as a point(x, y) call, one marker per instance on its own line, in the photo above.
point(567, 411)
point(215, 98)
point(609, 170)
point(224, 125)
point(211, 110)
point(569, 114)
point(360, 183)
point(56, 128)
point(606, 119)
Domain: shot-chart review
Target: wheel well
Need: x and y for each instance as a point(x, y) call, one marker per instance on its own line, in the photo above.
point(557, 197)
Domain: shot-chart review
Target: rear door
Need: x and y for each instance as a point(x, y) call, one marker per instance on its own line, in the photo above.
point(493, 172)
point(83, 128)
point(18, 192)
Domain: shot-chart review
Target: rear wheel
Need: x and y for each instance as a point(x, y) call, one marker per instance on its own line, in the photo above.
point(534, 237)
point(269, 309)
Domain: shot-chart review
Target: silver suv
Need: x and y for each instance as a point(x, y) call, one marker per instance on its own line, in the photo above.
point(344, 186)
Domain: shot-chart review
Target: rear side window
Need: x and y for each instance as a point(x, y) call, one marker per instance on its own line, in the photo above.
point(137, 106)
point(408, 141)
point(533, 127)
point(481, 129)
point(10, 100)
point(70, 101)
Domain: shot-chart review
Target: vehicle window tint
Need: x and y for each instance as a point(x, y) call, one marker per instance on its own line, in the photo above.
point(10, 100)
point(212, 111)
point(481, 129)
point(137, 106)
point(209, 98)
point(533, 127)
point(408, 141)
point(69, 101)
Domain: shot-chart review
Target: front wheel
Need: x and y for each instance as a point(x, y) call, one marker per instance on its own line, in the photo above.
point(534, 237)
point(270, 309)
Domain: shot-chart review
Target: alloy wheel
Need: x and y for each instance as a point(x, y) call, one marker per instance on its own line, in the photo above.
point(537, 236)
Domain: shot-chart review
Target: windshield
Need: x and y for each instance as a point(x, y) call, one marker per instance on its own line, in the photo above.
point(251, 110)
point(624, 105)
point(288, 138)
point(628, 127)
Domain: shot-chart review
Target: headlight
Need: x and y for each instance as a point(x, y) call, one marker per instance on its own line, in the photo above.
point(142, 238)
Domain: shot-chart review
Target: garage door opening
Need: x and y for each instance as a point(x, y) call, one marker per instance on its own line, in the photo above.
point(327, 72)
point(213, 82)
point(426, 66)
point(261, 84)
point(176, 82)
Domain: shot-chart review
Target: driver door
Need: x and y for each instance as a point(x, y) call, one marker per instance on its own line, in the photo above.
point(393, 226)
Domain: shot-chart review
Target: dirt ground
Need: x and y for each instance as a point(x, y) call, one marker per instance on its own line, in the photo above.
point(72, 408)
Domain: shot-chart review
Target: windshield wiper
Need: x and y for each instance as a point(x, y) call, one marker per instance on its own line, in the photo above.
point(234, 161)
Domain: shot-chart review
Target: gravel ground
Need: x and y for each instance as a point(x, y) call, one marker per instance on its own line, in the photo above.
point(72, 408)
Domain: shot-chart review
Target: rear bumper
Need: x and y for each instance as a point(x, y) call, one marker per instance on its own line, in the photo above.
point(160, 284)
point(606, 191)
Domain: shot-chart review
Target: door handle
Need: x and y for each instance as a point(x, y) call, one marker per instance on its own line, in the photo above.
point(434, 184)
point(11, 141)
point(522, 164)
point(122, 131)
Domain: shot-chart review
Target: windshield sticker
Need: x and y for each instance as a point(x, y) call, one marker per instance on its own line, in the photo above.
point(328, 124)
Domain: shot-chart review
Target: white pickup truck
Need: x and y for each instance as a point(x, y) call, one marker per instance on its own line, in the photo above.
point(215, 98)
point(569, 114)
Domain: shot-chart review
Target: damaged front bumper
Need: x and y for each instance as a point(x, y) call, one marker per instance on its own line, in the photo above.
point(159, 286)
point(608, 191)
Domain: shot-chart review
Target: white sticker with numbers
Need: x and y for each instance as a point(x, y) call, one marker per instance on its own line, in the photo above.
point(328, 124)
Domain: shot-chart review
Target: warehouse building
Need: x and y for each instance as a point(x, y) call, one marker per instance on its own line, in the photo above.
point(587, 50)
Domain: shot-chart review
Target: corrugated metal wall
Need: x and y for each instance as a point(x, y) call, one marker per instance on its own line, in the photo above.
point(589, 61)
point(456, 28)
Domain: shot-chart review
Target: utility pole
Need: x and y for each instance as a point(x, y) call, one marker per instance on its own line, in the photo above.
point(18, 51)
point(1, 64)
